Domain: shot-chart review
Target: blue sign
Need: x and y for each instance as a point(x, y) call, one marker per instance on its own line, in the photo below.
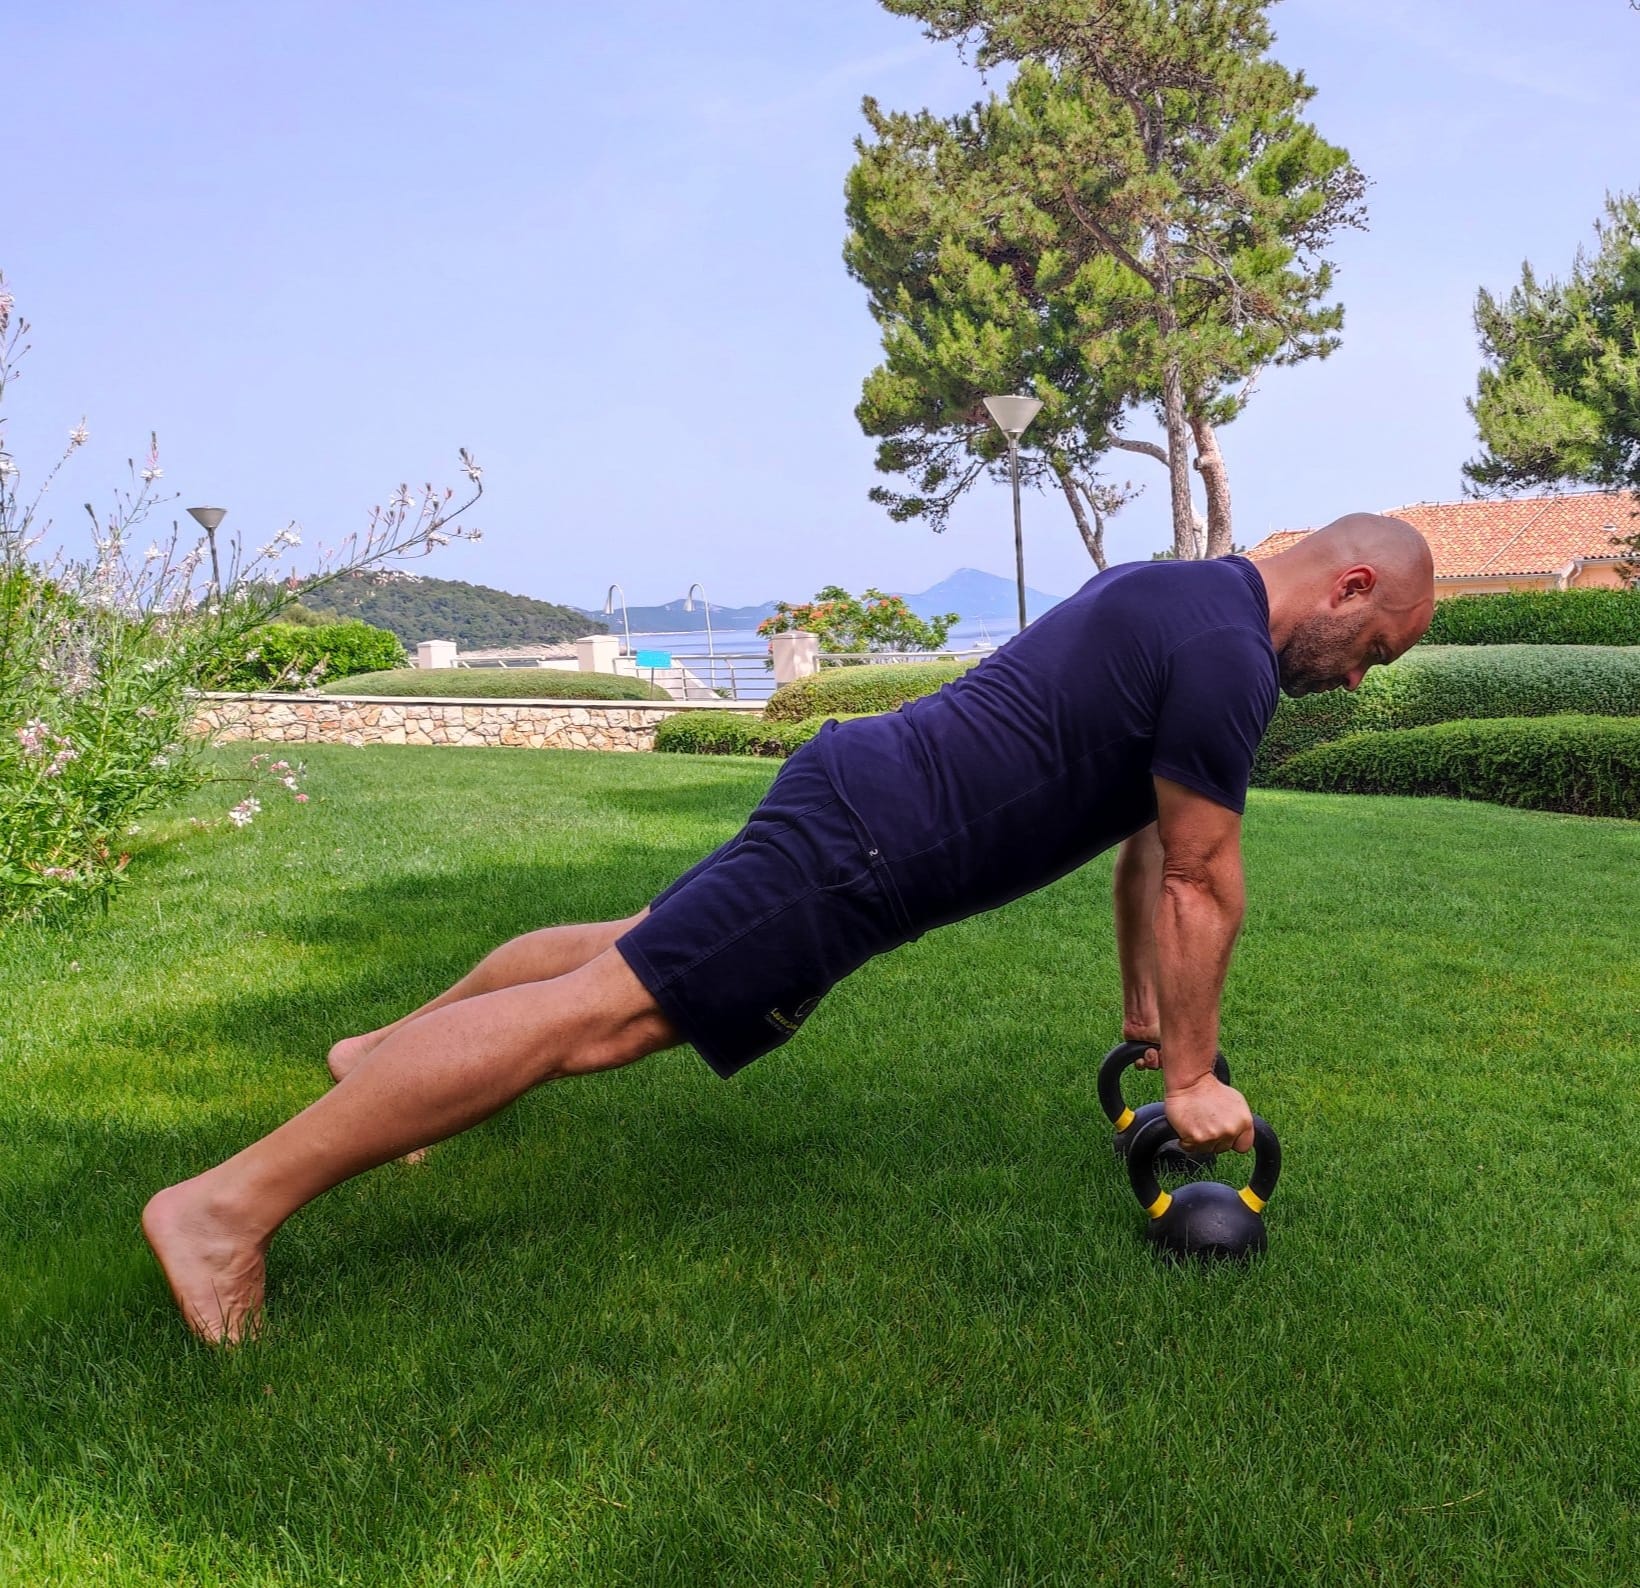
point(653, 659)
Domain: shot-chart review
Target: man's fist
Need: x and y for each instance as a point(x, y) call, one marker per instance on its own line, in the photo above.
point(1211, 1117)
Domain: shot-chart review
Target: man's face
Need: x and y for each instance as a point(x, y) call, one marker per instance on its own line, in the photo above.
point(1332, 650)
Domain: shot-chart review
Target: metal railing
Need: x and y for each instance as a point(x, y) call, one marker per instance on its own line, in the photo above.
point(890, 658)
point(725, 675)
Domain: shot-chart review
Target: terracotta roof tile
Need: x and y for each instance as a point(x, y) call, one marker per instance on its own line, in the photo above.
point(1527, 535)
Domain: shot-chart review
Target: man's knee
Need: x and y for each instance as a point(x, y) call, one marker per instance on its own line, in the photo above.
point(620, 1020)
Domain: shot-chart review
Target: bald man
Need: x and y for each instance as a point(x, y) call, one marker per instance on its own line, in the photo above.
point(1127, 715)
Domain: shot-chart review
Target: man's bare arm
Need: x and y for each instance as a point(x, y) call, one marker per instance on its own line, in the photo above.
point(1198, 914)
point(1136, 887)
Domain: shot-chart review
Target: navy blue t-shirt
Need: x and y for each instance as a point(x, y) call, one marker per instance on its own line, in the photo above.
point(1042, 756)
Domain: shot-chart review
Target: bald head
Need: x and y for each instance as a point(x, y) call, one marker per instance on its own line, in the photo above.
point(1348, 597)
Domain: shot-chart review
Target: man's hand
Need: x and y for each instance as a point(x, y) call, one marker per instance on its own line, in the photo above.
point(1211, 1117)
point(1152, 1057)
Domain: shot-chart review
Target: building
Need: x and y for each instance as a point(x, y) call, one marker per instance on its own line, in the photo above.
point(1529, 543)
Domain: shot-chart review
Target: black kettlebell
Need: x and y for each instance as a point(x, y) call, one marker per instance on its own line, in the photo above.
point(1207, 1219)
point(1172, 1159)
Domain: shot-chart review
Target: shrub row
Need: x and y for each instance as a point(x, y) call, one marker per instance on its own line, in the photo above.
point(859, 690)
point(499, 683)
point(1538, 617)
point(1452, 683)
point(1589, 766)
point(289, 655)
point(732, 733)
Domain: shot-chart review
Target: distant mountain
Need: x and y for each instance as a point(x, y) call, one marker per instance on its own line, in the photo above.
point(418, 608)
point(972, 594)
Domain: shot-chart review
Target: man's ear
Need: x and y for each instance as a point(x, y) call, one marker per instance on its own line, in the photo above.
point(1353, 584)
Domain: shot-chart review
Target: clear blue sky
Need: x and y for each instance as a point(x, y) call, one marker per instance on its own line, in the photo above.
point(319, 246)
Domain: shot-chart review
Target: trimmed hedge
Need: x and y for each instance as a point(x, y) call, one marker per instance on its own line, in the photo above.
point(499, 683)
point(860, 691)
point(1538, 617)
point(1456, 683)
point(732, 733)
point(1588, 766)
point(281, 655)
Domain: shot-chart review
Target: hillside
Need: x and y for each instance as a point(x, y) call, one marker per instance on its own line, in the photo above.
point(418, 608)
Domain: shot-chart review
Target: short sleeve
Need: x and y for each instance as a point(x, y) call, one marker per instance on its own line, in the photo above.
point(1220, 693)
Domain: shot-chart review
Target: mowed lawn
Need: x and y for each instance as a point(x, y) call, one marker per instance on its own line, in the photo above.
point(877, 1311)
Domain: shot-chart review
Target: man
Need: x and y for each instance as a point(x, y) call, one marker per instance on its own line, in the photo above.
point(1129, 714)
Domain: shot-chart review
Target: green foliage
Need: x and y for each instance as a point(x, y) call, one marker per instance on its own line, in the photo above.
point(1441, 684)
point(294, 655)
point(476, 617)
point(736, 733)
point(1589, 766)
point(1538, 617)
point(498, 683)
point(1138, 214)
point(860, 690)
point(1558, 398)
point(857, 624)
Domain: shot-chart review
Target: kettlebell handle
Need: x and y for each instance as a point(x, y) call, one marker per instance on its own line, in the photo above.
point(1154, 1134)
point(1110, 1079)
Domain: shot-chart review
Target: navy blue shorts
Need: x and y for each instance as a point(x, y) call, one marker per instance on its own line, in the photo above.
point(743, 946)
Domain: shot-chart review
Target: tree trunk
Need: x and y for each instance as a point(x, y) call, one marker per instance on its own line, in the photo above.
point(1173, 414)
point(1093, 536)
point(1216, 482)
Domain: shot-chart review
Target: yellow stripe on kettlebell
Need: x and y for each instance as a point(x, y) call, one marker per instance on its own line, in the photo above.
point(1251, 1198)
point(1125, 1120)
point(1160, 1206)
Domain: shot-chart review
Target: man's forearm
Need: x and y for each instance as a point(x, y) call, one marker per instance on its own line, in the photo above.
point(1196, 922)
point(1136, 888)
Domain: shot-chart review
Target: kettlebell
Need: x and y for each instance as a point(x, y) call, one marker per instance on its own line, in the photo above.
point(1172, 1159)
point(1205, 1220)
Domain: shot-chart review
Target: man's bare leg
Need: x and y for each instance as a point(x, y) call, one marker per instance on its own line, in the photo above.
point(535, 956)
point(442, 1073)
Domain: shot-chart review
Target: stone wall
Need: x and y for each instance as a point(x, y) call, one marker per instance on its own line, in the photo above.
point(380, 719)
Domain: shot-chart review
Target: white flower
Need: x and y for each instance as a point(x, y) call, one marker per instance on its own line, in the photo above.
point(153, 553)
point(289, 783)
point(7, 467)
point(269, 550)
point(79, 435)
point(160, 762)
point(474, 534)
point(245, 812)
point(133, 828)
point(152, 472)
point(403, 499)
point(469, 467)
point(289, 536)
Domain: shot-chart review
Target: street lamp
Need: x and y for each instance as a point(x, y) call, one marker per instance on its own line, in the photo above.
point(208, 518)
point(689, 606)
point(609, 611)
point(1013, 416)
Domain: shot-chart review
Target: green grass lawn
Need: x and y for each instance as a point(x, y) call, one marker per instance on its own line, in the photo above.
point(877, 1311)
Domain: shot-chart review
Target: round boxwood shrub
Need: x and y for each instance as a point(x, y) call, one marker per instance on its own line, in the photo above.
point(1454, 683)
point(1589, 766)
point(859, 690)
point(285, 655)
point(1538, 617)
point(499, 683)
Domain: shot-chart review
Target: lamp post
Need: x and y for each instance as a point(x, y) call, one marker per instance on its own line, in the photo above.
point(208, 518)
point(1013, 416)
point(609, 611)
point(689, 606)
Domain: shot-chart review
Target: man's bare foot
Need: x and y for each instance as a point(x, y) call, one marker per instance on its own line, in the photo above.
point(349, 1053)
point(216, 1272)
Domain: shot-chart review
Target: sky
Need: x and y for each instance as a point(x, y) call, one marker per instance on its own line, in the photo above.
point(319, 247)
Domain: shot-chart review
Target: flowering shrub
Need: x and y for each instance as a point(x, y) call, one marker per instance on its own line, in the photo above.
point(101, 657)
point(850, 625)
